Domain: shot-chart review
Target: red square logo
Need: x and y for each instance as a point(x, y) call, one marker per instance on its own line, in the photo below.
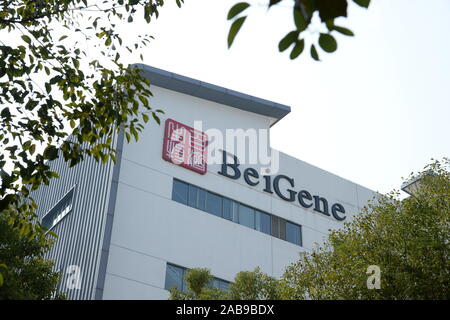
point(185, 146)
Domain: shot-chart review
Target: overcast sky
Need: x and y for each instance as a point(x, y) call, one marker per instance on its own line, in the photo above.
point(372, 112)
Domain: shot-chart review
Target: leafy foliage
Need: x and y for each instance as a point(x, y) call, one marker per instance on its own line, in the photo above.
point(253, 285)
point(408, 240)
point(25, 272)
point(199, 287)
point(51, 86)
point(304, 12)
point(247, 285)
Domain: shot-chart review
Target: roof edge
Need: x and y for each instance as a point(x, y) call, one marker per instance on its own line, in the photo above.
point(211, 92)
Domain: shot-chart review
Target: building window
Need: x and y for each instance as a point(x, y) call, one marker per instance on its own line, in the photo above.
point(263, 222)
point(192, 196)
point(293, 233)
point(175, 277)
point(223, 207)
point(201, 204)
point(59, 211)
point(180, 191)
point(219, 284)
point(227, 209)
point(214, 204)
point(246, 216)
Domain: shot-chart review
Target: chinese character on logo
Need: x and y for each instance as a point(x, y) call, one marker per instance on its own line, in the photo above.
point(185, 146)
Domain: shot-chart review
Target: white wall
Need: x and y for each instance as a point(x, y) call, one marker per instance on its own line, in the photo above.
point(150, 229)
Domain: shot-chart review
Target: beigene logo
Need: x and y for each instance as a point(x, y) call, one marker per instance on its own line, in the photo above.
point(185, 146)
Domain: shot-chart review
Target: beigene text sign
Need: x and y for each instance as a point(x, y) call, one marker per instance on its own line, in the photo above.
point(185, 146)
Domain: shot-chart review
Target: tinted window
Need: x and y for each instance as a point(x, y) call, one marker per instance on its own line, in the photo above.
point(174, 277)
point(283, 229)
point(263, 222)
point(214, 204)
point(220, 206)
point(201, 199)
point(257, 220)
point(276, 227)
point(227, 209)
point(293, 233)
point(59, 211)
point(219, 284)
point(180, 191)
point(223, 285)
point(235, 206)
point(215, 283)
point(246, 216)
point(192, 200)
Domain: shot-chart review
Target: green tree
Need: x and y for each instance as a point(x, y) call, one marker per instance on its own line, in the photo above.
point(199, 287)
point(51, 87)
point(408, 240)
point(25, 272)
point(247, 285)
point(303, 15)
point(253, 285)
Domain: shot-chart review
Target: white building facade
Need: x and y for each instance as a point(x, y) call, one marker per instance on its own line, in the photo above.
point(130, 230)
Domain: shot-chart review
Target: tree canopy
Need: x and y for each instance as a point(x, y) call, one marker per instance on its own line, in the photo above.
point(25, 273)
point(247, 285)
point(407, 242)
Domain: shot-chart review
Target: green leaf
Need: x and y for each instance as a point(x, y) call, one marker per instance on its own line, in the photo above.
point(234, 29)
point(157, 119)
point(76, 63)
point(6, 114)
point(299, 19)
point(26, 145)
point(327, 42)
point(144, 100)
point(237, 9)
point(145, 117)
point(273, 2)
point(62, 38)
point(51, 233)
point(134, 133)
point(50, 153)
point(344, 31)
point(298, 49)
point(26, 39)
point(32, 149)
point(314, 53)
point(288, 39)
point(330, 9)
point(362, 3)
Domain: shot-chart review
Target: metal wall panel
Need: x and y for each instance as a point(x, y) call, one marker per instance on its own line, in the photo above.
point(81, 232)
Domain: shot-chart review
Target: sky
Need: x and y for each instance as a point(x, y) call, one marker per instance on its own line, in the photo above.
point(372, 112)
